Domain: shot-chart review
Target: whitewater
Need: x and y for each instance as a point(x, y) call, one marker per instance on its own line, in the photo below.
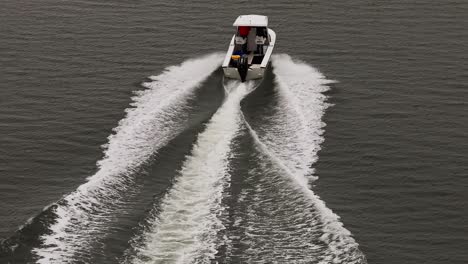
point(156, 117)
point(186, 228)
point(288, 141)
point(279, 217)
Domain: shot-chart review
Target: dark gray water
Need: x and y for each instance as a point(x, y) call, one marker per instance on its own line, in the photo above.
point(392, 164)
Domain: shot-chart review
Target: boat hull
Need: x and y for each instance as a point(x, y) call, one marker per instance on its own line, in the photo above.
point(252, 73)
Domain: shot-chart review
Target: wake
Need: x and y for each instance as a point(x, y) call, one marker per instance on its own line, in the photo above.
point(156, 117)
point(184, 228)
point(284, 221)
point(291, 139)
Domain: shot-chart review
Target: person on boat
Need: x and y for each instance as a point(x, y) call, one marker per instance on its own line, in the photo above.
point(241, 39)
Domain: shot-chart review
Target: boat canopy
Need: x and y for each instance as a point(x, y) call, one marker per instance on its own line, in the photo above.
point(251, 21)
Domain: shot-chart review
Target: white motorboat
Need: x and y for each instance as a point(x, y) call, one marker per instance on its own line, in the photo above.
point(250, 48)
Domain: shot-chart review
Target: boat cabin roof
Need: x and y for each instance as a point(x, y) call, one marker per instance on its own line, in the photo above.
point(251, 21)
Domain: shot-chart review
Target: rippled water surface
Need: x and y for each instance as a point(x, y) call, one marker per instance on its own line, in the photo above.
point(120, 142)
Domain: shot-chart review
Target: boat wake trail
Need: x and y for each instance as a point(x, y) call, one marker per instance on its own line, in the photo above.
point(156, 117)
point(184, 226)
point(267, 213)
point(284, 220)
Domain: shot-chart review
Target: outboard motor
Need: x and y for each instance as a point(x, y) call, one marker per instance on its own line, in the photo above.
point(243, 67)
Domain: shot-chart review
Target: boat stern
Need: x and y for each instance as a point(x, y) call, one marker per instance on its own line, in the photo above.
point(253, 73)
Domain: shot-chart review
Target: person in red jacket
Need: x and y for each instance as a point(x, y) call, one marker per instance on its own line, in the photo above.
point(244, 31)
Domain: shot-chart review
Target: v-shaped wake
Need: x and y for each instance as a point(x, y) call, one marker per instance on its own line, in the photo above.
point(187, 225)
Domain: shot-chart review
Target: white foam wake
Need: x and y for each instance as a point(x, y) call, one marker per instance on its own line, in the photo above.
point(154, 119)
point(301, 106)
point(185, 229)
point(292, 140)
